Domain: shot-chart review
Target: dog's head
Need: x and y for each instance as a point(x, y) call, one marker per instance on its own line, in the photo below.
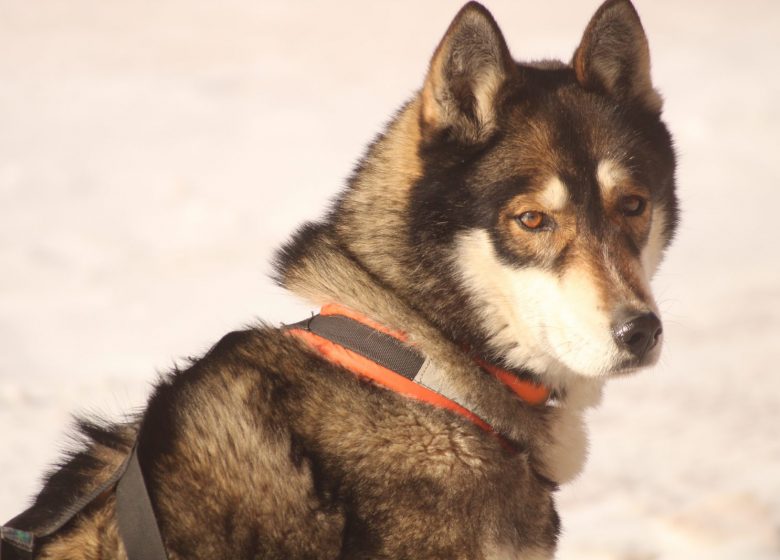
point(529, 204)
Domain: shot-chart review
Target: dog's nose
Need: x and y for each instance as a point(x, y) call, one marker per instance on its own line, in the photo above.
point(639, 334)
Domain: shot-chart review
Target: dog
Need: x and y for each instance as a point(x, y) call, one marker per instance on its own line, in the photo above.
point(503, 229)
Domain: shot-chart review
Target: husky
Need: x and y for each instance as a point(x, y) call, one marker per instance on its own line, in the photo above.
point(503, 228)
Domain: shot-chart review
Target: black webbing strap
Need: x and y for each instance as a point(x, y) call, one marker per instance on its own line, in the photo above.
point(134, 512)
point(369, 343)
point(135, 516)
point(16, 544)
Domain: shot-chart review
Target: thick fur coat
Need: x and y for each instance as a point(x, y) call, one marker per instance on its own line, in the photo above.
point(510, 211)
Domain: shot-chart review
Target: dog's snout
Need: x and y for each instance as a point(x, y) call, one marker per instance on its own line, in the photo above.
point(639, 334)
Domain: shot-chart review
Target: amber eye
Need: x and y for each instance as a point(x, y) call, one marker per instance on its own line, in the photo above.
point(633, 205)
point(533, 220)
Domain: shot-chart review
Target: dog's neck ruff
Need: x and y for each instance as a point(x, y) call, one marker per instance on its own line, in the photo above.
point(382, 355)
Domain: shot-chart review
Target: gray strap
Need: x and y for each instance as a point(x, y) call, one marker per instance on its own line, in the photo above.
point(369, 343)
point(135, 516)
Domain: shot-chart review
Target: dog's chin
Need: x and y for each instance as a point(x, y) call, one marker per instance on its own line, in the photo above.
point(620, 366)
point(560, 369)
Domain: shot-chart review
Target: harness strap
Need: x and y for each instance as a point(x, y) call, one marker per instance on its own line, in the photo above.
point(135, 517)
point(370, 343)
point(530, 390)
point(375, 352)
point(17, 544)
point(380, 357)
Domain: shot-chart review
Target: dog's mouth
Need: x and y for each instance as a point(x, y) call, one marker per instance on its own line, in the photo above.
point(625, 370)
point(619, 353)
point(633, 364)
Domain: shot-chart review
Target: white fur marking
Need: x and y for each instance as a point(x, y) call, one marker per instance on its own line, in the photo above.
point(554, 195)
point(609, 175)
point(537, 320)
point(656, 242)
point(552, 326)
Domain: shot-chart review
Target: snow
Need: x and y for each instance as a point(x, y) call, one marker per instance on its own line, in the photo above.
point(152, 155)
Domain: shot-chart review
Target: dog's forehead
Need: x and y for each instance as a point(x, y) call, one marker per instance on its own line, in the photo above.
point(565, 146)
point(570, 133)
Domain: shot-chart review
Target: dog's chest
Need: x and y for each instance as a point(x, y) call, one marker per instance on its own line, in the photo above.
point(416, 481)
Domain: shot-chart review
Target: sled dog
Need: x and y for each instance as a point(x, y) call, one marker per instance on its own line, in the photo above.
point(484, 272)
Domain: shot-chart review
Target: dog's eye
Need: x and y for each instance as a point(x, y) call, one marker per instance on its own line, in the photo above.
point(633, 205)
point(533, 220)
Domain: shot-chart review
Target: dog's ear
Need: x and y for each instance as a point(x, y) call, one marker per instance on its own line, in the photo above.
point(465, 77)
point(613, 56)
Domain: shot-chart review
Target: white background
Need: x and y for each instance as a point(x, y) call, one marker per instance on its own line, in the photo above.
point(153, 153)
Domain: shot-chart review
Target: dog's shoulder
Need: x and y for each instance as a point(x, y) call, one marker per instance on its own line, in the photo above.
point(221, 451)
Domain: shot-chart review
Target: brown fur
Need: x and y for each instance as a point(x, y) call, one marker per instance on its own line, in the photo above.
point(94, 536)
point(262, 449)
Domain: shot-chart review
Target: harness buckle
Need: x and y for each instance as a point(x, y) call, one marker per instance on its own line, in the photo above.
point(16, 544)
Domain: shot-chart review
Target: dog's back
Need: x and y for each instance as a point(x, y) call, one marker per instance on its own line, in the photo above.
point(263, 450)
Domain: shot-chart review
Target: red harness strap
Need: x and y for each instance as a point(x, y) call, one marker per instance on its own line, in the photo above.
point(383, 375)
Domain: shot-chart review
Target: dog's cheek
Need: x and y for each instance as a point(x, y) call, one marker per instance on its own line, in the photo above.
point(508, 298)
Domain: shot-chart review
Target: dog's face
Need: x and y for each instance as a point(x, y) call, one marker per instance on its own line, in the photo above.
point(576, 229)
point(552, 187)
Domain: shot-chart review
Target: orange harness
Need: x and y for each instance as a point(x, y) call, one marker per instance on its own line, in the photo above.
point(356, 361)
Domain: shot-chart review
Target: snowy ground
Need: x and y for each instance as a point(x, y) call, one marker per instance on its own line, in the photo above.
point(152, 154)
